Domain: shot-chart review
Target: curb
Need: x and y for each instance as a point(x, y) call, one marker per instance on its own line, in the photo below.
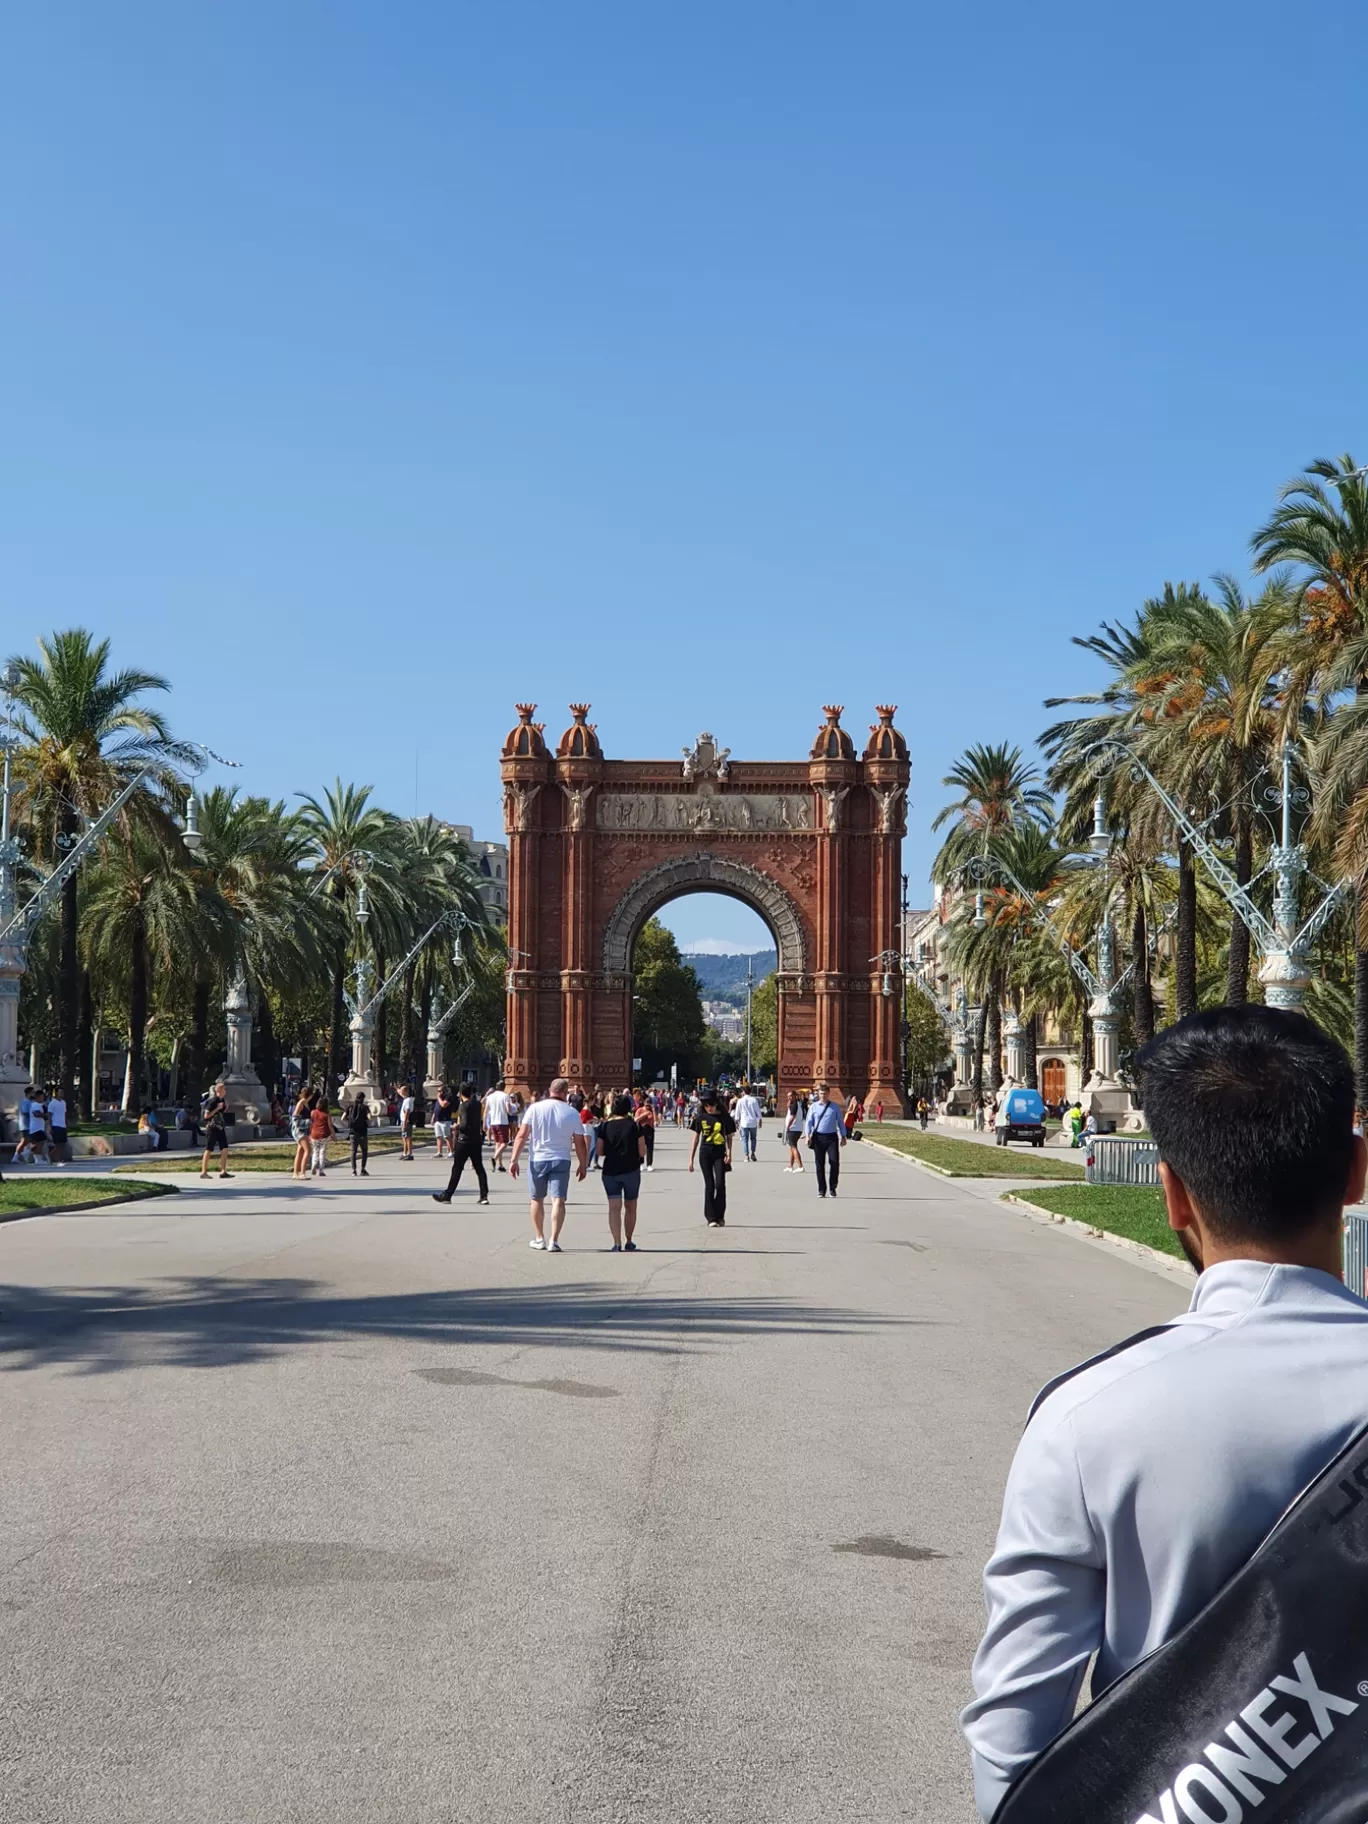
point(942, 1171)
point(80, 1209)
point(1168, 1264)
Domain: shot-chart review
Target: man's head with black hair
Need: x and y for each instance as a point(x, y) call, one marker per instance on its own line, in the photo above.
point(709, 1098)
point(1252, 1110)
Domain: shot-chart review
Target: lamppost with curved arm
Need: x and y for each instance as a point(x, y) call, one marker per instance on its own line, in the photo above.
point(1283, 943)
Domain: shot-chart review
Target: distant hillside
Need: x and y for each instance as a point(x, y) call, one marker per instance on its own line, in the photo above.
point(723, 978)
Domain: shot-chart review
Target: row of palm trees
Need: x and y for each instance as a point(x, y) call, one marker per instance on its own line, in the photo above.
point(149, 935)
point(1205, 686)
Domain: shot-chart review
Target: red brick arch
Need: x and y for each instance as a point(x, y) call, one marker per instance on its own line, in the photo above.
point(598, 845)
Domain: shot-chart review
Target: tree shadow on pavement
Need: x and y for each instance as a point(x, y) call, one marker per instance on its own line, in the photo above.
point(218, 1322)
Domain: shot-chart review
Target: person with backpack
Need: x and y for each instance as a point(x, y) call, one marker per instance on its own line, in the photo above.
point(1148, 1477)
point(358, 1127)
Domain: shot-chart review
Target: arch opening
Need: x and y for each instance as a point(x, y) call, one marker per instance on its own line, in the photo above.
point(711, 874)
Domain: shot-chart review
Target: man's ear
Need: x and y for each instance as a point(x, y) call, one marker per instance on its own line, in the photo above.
point(1176, 1199)
point(1358, 1171)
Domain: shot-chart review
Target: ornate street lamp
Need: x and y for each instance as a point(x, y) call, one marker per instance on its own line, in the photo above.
point(1283, 944)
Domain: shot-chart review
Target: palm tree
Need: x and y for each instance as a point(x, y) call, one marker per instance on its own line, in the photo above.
point(998, 793)
point(348, 838)
point(85, 737)
point(1320, 529)
point(1220, 718)
point(1146, 696)
point(256, 917)
point(139, 921)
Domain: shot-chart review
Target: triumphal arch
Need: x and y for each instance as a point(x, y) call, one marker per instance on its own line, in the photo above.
point(597, 845)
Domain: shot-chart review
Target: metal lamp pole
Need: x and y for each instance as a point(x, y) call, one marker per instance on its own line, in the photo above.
point(1284, 945)
point(750, 987)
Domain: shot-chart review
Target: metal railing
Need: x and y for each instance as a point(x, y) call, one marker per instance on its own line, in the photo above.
point(1356, 1253)
point(1114, 1159)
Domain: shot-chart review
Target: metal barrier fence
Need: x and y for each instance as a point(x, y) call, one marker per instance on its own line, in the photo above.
point(1112, 1159)
point(1356, 1253)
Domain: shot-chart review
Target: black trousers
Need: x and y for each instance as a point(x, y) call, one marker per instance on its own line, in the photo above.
point(463, 1151)
point(648, 1135)
point(712, 1162)
point(826, 1156)
point(361, 1145)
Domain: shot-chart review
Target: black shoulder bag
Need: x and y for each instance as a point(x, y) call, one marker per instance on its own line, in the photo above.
point(1257, 1710)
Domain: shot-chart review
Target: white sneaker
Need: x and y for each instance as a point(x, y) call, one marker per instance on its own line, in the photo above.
point(536, 1242)
point(650, 1168)
point(553, 1247)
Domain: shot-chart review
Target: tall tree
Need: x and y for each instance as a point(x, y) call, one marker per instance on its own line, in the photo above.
point(349, 839)
point(85, 736)
point(668, 1025)
point(1320, 530)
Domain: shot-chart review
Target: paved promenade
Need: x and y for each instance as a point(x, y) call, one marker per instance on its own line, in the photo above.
point(326, 1503)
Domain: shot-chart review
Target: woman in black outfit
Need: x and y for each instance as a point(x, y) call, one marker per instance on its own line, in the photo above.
point(358, 1126)
point(467, 1143)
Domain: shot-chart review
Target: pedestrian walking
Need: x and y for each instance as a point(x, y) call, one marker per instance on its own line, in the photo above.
point(646, 1117)
point(794, 1120)
point(851, 1118)
point(321, 1130)
point(22, 1146)
point(1076, 1124)
point(216, 1132)
point(1146, 1478)
point(358, 1127)
point(299, 1133)
point(406, 1111)
point(713, 1129)
point(923, 1113)
point(552, 1135)
point(826, 1136)
point(620, 1142)
point(443, 1114)
point(57, 1127)
point(467, 1146)
point(38, 1128)
point(746, 1114)
point(498, 1118)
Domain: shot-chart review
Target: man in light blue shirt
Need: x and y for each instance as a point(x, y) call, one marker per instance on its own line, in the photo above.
point(1146, 1478)
point(826, 1136)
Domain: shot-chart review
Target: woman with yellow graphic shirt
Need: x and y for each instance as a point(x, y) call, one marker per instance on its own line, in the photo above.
point(712, 1129)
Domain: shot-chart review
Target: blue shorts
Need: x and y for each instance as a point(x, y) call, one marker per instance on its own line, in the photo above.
point(623, 1184)
point(548, 1178)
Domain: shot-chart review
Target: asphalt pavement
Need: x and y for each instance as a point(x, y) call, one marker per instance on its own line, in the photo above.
point(327, 1502)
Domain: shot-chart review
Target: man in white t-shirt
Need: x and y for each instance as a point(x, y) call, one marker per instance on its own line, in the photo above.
point(57, 1126)
point(25, 1104)
point(498, 1118)
point(38, 1129)
point(552, 1135)
point(746, 1115)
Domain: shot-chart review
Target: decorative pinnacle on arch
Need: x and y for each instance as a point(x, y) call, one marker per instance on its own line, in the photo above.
point(832, 743)
point(580, 741)
point(525, 741)
point(885, 743)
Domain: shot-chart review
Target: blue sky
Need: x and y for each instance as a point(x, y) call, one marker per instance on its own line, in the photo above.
point(366, 368)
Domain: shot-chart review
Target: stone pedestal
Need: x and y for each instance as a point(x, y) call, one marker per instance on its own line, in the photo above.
point(1015, 1037)
point(434, 1079)
point(242, 1087)
point(14, 1079)
point(361, 1077)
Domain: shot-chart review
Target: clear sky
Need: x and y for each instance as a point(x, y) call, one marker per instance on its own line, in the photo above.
point(366, 367)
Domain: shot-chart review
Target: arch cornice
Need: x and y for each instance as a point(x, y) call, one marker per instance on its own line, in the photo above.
point(722, 875)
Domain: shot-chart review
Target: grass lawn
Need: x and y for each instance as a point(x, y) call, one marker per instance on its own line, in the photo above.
point(966, 1159)
point(256, 1156)
point(1135, 1211)
point(18, 1193)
